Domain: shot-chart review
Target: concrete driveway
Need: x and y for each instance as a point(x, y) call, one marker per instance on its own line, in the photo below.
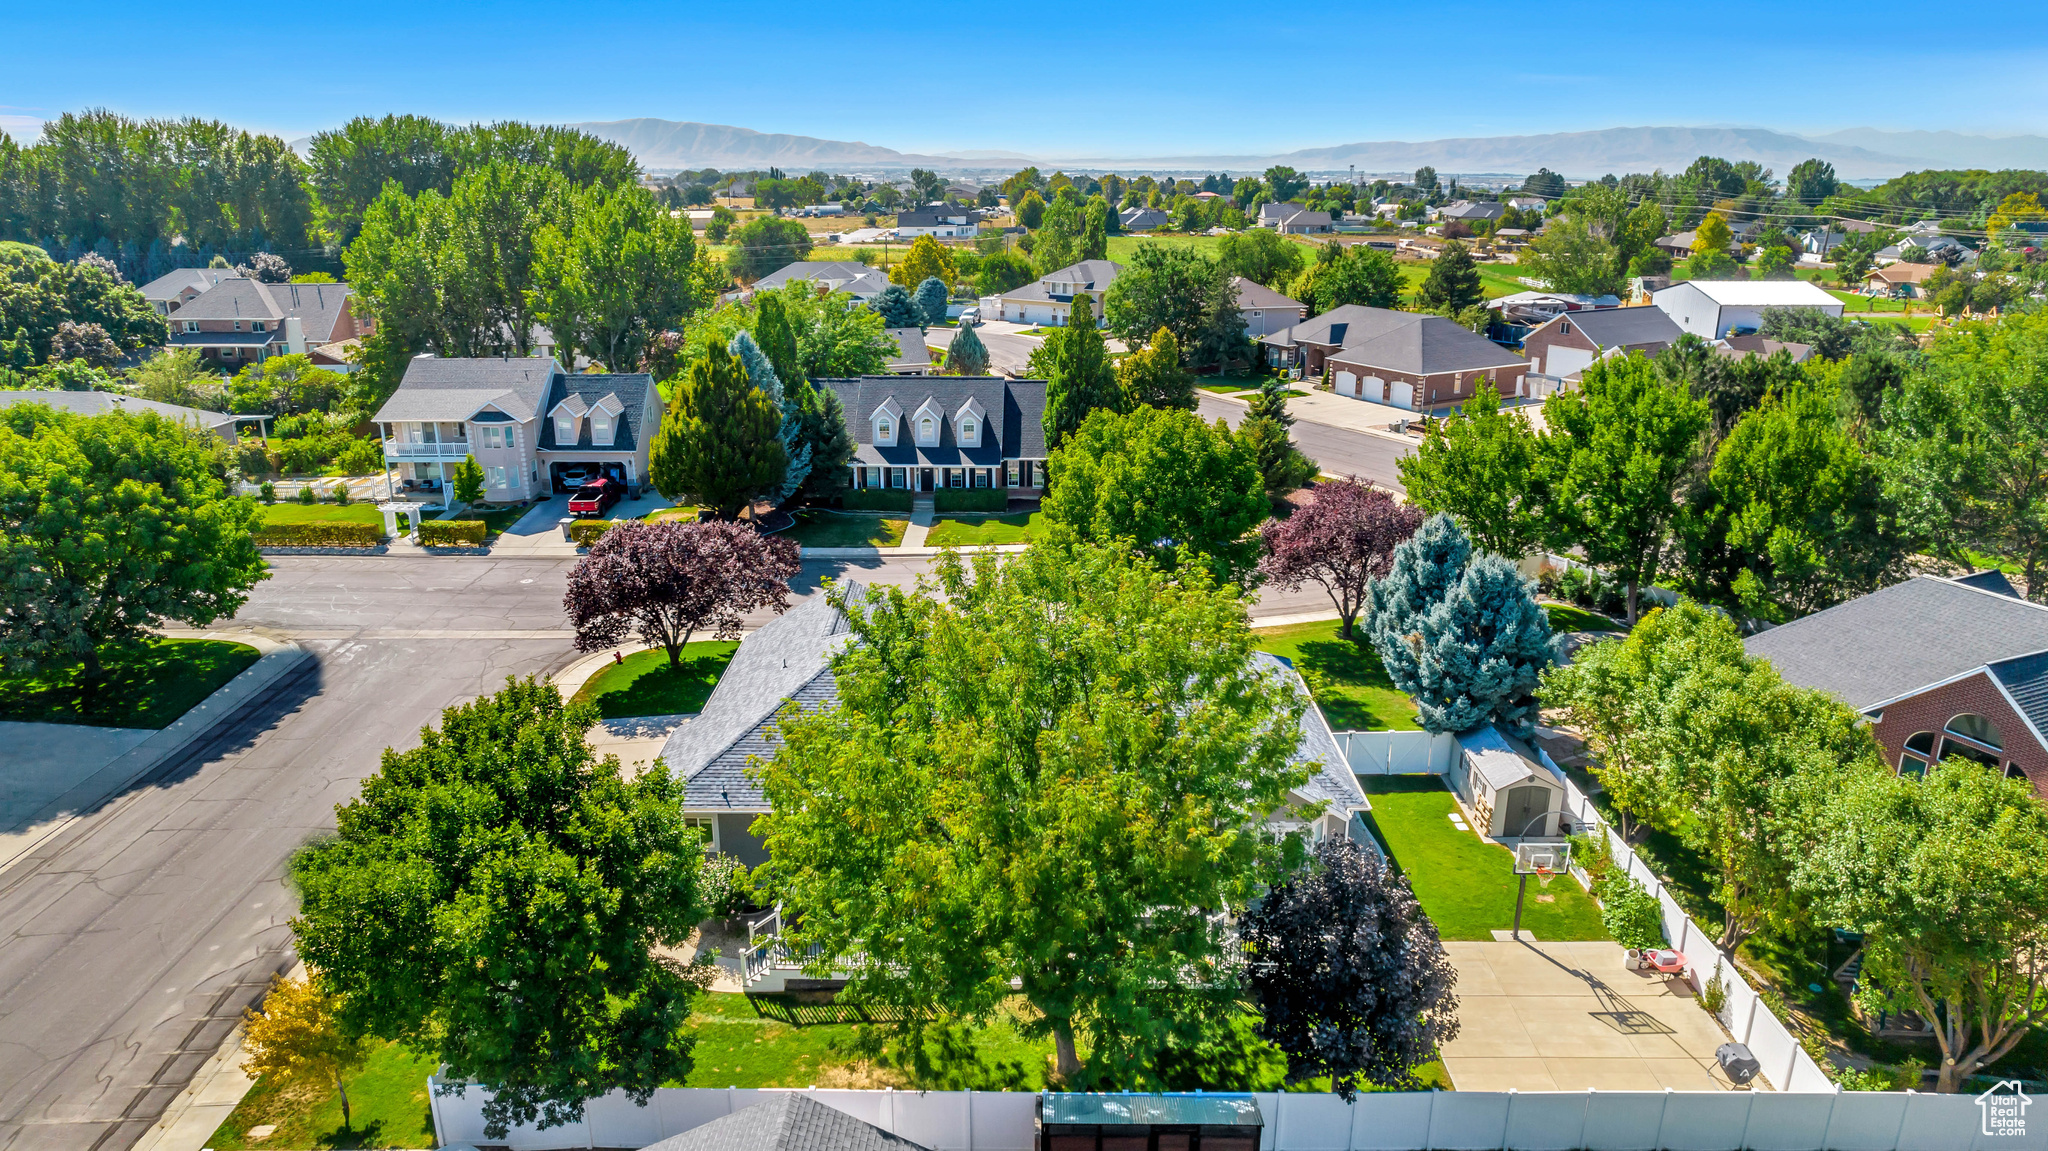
point(1569, 1016)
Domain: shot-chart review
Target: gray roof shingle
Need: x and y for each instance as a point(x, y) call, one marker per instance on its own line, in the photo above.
point(453, 389)
point(1333, 783)
point(171, 285)
point(1407, 342)
point(1623, 327)
point(635, 392)
point(1015, 410)
point(100, 403)
point(2026, 680)
point(786, 1121)
point(1897, 640)
point(1252, 294)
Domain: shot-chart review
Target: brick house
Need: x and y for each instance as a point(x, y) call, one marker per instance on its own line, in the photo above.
point(1569, 342)
point(1940, 668)
point(241, 321)
point(1404, 359)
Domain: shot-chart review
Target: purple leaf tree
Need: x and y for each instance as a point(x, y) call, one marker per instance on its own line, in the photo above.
point(667, 581)
point(1343, 539)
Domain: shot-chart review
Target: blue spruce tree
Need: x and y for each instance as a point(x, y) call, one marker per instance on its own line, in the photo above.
point(931, 300)
point(762, 373)
point(1479, 651)
point(896, 308)
point(967, 355)
point(1426, 566)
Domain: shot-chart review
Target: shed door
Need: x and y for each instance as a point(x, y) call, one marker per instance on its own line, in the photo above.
point(1524, 807)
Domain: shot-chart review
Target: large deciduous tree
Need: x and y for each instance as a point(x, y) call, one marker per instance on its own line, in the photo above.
point(927, 259)
point(1350, 977)
point(110, 527)
point(1153, 375)
point(667, 581)
point(1178, 289)
point(1164, 483)
point(763, 245)
point(38, 296)
point(1354, 275)
point(1261, 255)
point(1043, 774)
point(720, 441)
point(1342, 539)
point(495, 899)
point(1481, 465)
point(622, 272)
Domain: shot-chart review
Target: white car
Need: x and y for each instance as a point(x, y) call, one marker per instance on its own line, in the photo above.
point(970, 318)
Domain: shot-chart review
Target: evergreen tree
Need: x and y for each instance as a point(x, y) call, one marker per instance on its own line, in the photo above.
point(791, 433)
point(1453, 282)
point(718, 444)
point(777, 337)
point(931, 301)
point(830, 442)
point(897, 309)
point(1478, 654)
point(1281, 464)
point(967, 355)
point(1079, 377)
point(1426, 566)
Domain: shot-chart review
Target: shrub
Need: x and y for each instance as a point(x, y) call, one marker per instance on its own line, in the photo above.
point(583, 533)
point(361, 457)
point(306, 495)
point(452, 533)
point(876, 500)
point(724, 886)
point(1875, 1079)
point(1714, 996)
point(252, 458)
point(341, 496)
point(1593, 856)
point(971, 500)
point(318, 535)
point(268, 492)
point(1632, 915)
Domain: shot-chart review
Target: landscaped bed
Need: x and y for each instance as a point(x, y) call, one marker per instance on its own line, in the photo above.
point(1345, 675)
point(645, 684)
point(838, 530)
point(495, 520)
point(1465, 884)
point(148, 687)
point(972, 531)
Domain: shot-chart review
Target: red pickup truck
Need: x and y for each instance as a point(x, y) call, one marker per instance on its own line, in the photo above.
point(596, 497)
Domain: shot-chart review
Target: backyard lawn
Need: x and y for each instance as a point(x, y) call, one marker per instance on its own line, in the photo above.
point(388, 1107)
point(973, 531)
point(833, 530)
point(1465, 884)
point(360, 512)
point(1349, 684)
point(145, 687)
point(644, 684)
point(1569, 617)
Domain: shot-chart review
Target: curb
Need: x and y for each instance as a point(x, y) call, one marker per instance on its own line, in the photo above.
point(901, 553)
point(277, 662)
point(380, 549)
point(216, 1089)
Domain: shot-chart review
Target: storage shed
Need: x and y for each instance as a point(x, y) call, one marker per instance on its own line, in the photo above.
point(1505, 785)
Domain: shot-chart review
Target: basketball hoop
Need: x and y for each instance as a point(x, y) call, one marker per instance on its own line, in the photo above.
point(1544, 875)
point(1542, 858)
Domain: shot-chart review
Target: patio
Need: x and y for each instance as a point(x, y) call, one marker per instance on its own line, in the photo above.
point(1570, 1016)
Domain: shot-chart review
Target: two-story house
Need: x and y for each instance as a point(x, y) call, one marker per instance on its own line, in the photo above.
point(173, 290)
point(1049, 299)
point(534, 428)
point(1265, 311)
point(241, 321)
point(923, 433)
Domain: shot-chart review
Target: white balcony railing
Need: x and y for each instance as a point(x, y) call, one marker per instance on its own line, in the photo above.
point(396, 450)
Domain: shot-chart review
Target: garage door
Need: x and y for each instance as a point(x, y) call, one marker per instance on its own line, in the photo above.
point(1346, 384)
point(1565, 361)
point(1402, 396)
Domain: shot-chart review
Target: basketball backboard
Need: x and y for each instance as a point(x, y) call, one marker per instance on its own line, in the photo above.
point(1542, 858)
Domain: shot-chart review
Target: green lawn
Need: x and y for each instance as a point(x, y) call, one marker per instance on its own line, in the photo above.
point(1465, 884)
point(644, 684)
point(388, 1107)
point(738, 1046)
point(148, 687)
point(831, 530)
point(1226, 389)
point(496, 520)
point(1569, 617)
point(971, 531)
point(360, 512)
point(686, 515)
point(1349, 684)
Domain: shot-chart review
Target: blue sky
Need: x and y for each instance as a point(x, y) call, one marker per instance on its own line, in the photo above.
point(1054, 79)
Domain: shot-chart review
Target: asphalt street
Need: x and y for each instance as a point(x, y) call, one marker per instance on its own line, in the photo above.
point(1340, 451)
point(131, 942)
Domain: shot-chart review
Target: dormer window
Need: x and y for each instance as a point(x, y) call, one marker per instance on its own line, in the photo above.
point(885, 431)
point(601, 427)
point(927, 431)
point(565, 429)
point(970, 432)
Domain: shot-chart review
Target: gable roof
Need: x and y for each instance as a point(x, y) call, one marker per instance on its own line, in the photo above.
point(1333, 783)
point(631, 396)
point(100, 403)
point(1502, 760)
point(1475, 210)
point(453, 389)
point(1252, 294)
point(1761, 293)
point(1143, 217)
point(1097, 275)
point(785, 1121)
point(911, 351)
point(317, 306)
point(1623, 327)
point(1016, 416)
point(1903, 272)
point(851, 276)
point(1899, 640)
point(1407, 342)
point(173, 284)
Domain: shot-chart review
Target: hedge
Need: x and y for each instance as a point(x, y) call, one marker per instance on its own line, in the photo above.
point(318, 535)
point(452, 533)
point(876, 500)
point(583, 533)
point(971, 500)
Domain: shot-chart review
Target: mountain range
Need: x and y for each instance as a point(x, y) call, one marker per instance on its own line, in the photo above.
point(1856, 153)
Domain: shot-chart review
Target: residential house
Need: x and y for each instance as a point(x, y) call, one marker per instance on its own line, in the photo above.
point(1820, 242)
point(946, 223)
point(533, 427)
point(1473, 211)
point(912, 357)
point(1533, 308)
point(850, 276)
point(1265, 311)
point(1712, 309)
point(241, 321)
point(1899, 279)
point(1567, 344)
point(100, 403)
point(173, 290)
point(923, 433)
point(1048, 299)
point(1143, 219)
point(1939, 667)
point(788, 660)
point(1405, 359)
point(1291, 219)
point(1527, 203)
point(1926, 247)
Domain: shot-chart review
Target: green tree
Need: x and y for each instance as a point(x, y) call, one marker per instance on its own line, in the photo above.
point(1946, 880)
point(496, 897)
point(931, 301)
point(1284, 183)
point(1616, 451)
point(1162, 482)
point(1079, 377)
point(1962, 443)
point(1261, 255)
point(467, 481)
point(896, 308)
point(1282, 466)
point(1001, 272)
point(115, 525)
point(1453, 280)
point(720, 442)
point(39, 295)
point(967, 355)
point(994, 727)
point(1482, 465)
point(176, 376)
point(1810, 182)
point(1178, 289)
point(297, 1040)
point(1152, 375)
point(1057, 242)
point(1030, 209)
point(762, 245)
point(1357, 275)
point(1571, 256)
point(623, 272)
point(776, 337)
point(1475, 656)
point(927, 259)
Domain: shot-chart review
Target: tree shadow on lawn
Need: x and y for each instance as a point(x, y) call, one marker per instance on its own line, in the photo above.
point(645, 684)
point(1349, 682)
point(145, 686)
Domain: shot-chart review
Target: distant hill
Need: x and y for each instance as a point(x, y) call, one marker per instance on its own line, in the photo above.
point(684, 144)
point(1950, 149)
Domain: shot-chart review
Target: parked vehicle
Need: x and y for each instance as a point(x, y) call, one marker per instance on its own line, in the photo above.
point(970, 318)
point(596, 497)
point(573, 476)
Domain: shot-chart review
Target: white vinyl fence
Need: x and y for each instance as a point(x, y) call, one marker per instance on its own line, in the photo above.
point(1391, 1121)
point(1397, 752)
